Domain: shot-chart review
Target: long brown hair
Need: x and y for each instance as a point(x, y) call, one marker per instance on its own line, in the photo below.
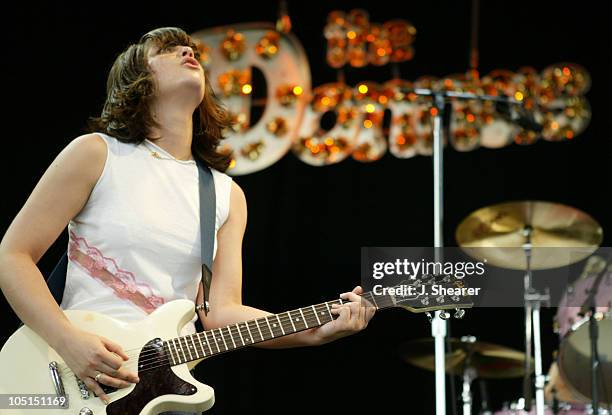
point(130, 88)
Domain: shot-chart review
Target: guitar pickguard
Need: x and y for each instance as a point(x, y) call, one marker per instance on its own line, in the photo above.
point(154, 382)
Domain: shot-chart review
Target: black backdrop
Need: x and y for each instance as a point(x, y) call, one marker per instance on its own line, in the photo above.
point(307, 224)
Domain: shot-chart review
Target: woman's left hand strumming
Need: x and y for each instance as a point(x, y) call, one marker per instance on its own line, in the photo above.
point(353, 316)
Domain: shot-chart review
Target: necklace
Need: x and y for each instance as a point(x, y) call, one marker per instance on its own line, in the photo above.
point(161, 154)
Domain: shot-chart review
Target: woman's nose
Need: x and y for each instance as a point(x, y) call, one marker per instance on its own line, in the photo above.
point(187, 51)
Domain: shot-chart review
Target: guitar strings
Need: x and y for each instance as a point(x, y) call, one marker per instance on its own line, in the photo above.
point(202, 346)
point(153, 357)
point(242, 325)
point(284, 317)
point(281, 315)
point(164, 360)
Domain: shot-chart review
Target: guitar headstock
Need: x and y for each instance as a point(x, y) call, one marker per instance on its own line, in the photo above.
point(429, 293)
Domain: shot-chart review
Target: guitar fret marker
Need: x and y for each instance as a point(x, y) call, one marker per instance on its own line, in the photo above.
point(238, 328)
point(188, 349)
point(231, 336)
point(249, 330)
point(281, 325)
point(210, 350)
point(181, 349)
point(208, 342)
point(195, 348)
point(201, 345)
point(305, 322)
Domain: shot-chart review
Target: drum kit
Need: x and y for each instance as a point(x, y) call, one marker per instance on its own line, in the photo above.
point(510, 236)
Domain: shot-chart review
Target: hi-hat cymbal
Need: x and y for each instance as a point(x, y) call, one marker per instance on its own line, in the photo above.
point(489, 360)
point(497, 233)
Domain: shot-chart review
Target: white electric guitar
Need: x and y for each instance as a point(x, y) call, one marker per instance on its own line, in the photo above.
point(162, 360)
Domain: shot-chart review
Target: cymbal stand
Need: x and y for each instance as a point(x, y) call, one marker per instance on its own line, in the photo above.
point(533, 300)
point(469, 374)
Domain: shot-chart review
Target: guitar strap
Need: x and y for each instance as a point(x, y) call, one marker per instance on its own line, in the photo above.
point(57, 279)
point(208, 213)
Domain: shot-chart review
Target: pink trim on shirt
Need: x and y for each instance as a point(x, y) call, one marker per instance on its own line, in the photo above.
point(106, 270)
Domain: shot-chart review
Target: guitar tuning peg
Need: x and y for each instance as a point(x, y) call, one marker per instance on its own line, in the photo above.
point(444, 315)
point(459, 313)
point(429, 317)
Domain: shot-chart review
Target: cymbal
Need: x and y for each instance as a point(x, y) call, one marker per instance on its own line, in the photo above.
point(490, 361)
point(497, 233)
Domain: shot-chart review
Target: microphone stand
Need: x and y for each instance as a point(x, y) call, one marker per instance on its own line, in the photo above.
point(520, 116)
point(589, 306)
point(438, 323)
point(594, 334)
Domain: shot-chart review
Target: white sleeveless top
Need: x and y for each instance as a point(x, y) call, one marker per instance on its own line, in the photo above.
point(135, 245)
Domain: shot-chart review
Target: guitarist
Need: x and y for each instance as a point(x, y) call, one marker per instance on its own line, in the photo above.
point(128, 192)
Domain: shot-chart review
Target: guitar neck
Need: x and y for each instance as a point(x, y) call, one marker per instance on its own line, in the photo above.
point(215, 341)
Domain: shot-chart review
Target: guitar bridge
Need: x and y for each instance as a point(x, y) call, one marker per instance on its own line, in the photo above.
point(86, 393)
point(82, 388)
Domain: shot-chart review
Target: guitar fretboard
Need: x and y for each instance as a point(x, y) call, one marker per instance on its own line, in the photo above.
point(215, 341)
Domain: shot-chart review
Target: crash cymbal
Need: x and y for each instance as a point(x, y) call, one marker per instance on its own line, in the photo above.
point(490, 361)
point(497, 233)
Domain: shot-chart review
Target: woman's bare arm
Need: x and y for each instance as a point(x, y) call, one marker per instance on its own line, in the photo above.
point(59, 196)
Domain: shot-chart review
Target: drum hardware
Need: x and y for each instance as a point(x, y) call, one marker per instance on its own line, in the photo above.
point(469, 374)
point(484, 399)
point(533, 300)
point(491, 232)
point(590, 307)
point(489, 360)
point(555, 402)
point(561, 408)
point(469, 359)
point(585, 328)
